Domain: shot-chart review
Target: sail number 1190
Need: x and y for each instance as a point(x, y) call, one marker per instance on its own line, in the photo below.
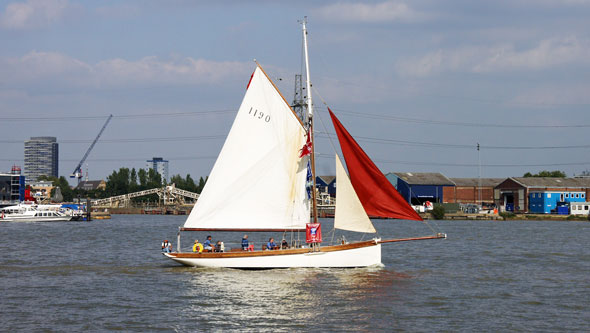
point(259, 115)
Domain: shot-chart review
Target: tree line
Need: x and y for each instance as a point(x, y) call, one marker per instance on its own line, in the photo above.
point(545, 173)
point(125, 181)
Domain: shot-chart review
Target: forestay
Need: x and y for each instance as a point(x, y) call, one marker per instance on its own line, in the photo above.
point(349, 213)
point(258, 180)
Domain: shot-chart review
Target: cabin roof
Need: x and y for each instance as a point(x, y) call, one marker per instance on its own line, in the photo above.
point(327, 179)
point(90, 184)
point(488, 182)
point(424, 178)
point(552, 182)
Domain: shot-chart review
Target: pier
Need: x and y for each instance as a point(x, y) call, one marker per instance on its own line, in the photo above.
point(171, 201)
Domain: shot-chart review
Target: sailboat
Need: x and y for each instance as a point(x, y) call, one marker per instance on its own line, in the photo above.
point(261, 179)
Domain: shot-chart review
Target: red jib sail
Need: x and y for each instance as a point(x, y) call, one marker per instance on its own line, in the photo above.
point(376, 193)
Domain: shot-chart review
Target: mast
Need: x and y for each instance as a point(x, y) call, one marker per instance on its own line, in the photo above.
point(310, 121)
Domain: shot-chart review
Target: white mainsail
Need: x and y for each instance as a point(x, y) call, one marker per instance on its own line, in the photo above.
point(258, 180)
point(349, 213)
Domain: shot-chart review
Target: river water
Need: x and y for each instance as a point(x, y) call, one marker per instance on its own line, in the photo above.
point(109, 275)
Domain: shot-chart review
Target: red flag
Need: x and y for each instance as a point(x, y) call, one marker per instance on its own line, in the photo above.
point(313, 233)
point(306, 150)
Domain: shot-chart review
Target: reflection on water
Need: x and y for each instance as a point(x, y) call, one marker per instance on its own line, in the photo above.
point(228, 298)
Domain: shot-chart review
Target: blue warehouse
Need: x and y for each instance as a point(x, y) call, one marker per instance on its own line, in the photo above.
point(419, 187)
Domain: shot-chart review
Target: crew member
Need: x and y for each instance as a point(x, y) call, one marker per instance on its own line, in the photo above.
point(271, 244)
point(207, 245)
point(197, 247)
point(245, 243)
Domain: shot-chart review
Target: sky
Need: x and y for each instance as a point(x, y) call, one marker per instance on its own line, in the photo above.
point(418, 83)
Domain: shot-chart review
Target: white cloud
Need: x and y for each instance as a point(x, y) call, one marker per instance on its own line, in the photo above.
point(388, 11)
point(33, 14)
point(183, 70)
point(51, 68)
point(548, 53)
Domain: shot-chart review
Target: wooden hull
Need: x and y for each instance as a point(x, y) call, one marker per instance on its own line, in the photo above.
point(361, 254)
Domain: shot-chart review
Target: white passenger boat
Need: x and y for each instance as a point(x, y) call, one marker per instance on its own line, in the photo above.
point(31, 212)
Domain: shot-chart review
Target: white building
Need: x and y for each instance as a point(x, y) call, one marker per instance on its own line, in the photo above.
point(160, 166)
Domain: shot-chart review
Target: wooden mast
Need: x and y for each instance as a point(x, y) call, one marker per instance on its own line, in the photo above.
point(310, 122)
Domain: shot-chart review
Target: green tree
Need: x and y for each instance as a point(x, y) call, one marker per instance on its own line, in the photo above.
point(142, 175)
point(438, 212)
point(118, 182)
point(154, 179)
point(190, 184)
point(545, 173)
point(202, 183)
point(133, 186)
point(187, 183)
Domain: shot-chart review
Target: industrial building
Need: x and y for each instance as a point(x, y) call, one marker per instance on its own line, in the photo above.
point(159, 165)
point(12, 187)
point(41, 157)
point(419, 187)
point(471, 190)
point(540, 194)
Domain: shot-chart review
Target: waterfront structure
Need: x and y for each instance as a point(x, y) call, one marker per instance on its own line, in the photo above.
point(41, 157)
point(540, 194)
point(471, 190)
point(12, 187)
point(159, 165)
point(90, 185)
point(419, 187)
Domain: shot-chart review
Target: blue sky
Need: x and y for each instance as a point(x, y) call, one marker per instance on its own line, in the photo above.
point(419, 83)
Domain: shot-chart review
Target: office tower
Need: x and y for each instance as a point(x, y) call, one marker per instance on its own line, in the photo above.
point(41, 157)
point(160, 166)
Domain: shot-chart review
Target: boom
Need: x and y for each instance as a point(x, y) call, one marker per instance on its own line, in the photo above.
point(78, 170)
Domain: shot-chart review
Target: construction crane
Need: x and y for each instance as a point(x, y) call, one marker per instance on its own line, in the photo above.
point(78, 170)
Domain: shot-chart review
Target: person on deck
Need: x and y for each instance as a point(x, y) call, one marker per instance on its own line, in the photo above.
point(245, 243)
point(207, 245)
point(219, 247)
point(284, 244)
point(271, 244)
point(197, 247)
point(165, 246)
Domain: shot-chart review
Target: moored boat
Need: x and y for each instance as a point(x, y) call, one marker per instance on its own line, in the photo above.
point(32, 212)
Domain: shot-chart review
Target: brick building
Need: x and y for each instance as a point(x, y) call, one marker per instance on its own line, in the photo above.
point(471, 190)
